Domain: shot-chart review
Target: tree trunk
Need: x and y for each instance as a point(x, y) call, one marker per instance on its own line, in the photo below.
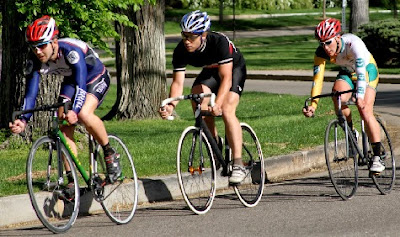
point(394, 3)
point(221, 11)
point(359, 14)
point(13, 83)
point(140, 61)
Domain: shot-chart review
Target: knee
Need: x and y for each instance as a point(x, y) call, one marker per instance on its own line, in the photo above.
point(85, 117)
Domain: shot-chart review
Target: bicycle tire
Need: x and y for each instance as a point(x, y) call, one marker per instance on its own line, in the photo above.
point(343, 170)
point(56, 206)
point(198, 185)
point(251, 188)
point(119, 200)
point(385, 180)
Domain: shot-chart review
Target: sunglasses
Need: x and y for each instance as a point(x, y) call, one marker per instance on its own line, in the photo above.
point(190, 37)
point(327, 43)
point(40, 46)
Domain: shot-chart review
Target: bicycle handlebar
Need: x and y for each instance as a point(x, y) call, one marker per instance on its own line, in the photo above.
point(335, 93)
point(193, 97)
point(15, 114)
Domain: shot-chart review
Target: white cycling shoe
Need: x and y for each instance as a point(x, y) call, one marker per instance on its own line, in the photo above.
point(377, 165)
point(238, 174)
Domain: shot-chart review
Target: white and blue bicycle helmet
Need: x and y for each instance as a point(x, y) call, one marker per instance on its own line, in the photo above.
point(195, 22)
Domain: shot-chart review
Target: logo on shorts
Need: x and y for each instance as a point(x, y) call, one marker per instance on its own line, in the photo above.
point(101, 87)
point(239, 88)
point(73, 57)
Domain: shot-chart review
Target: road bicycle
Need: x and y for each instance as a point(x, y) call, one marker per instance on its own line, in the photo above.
point(55, 193)
point(198, 156)
point(349, 157)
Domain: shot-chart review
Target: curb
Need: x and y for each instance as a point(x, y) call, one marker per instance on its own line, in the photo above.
point(165, 188)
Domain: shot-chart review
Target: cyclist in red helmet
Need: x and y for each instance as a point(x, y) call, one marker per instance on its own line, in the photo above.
point(223, 72)
point(86, 82)
point(358, 70)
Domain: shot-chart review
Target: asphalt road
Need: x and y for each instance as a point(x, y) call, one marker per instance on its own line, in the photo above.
point(305, 206)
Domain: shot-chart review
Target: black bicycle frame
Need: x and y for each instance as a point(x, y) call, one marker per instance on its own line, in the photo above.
point(200, 123)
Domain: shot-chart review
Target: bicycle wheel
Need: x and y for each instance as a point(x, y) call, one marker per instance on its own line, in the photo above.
point(251, 188)
point(56, 204)
point(119, 200)
point(384, 181)
point(343, 170)
point(196, 170)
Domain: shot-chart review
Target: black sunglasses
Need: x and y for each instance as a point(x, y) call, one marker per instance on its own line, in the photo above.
point(191, 37)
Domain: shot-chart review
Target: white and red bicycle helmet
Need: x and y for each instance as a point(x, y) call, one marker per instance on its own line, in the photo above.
point(41, 30)
point(327, 29)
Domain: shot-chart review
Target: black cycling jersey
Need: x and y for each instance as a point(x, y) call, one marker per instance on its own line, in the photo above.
point(216, 49)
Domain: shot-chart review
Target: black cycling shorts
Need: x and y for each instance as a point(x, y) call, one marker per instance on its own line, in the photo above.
point(210, 78)
point(97, 87)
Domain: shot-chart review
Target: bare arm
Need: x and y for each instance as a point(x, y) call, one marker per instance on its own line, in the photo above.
point(176, 90)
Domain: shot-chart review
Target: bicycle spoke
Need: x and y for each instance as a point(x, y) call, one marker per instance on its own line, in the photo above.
point(55, 202)
point(342, 168)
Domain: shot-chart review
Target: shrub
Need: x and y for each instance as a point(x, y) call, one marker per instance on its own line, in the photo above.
point(382, 39)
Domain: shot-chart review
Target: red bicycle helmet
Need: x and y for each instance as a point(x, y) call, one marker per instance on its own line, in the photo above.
point(41, 30)
point(327, 29)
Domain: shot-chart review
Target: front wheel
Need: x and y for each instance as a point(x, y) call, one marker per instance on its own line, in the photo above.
point(119, 199)
point(54, 195)
point(196, 170)
point(342, 167)
point(251, 188)
point(384, 181)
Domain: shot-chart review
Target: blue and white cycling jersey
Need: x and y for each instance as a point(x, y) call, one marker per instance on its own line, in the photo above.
point(76, 61)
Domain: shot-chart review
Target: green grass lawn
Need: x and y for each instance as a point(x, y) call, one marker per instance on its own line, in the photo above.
point(277, 120)
point(172, 26)
point(277, 53)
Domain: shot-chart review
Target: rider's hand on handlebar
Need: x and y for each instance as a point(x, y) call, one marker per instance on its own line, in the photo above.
point(216, 110)
point(166, 111)
point(17, 126)
point(71, 117)
point(309, 111)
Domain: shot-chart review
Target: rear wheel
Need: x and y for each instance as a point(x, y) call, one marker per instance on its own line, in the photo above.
point(251, 188)
point(54, 196)
point(196, 170)
point(119, 199)
point(384, 181)
point(342, 168)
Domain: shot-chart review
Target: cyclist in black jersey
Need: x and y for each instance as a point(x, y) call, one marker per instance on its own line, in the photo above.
point(224, 73)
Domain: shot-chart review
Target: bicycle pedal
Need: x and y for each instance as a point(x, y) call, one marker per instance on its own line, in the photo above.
point(234, 184)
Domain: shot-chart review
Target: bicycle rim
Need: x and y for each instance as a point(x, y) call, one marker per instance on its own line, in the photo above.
point(56, 206)
point(384, 181)
point(251, 188)
point(342, 168)
point(119, 200)
point(196, 170)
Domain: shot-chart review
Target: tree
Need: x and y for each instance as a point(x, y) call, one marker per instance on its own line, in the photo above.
point(87, 20)
point(359, 14)
point(140, 62)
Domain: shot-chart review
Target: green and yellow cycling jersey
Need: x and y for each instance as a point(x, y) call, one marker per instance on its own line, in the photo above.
point(358, 66)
